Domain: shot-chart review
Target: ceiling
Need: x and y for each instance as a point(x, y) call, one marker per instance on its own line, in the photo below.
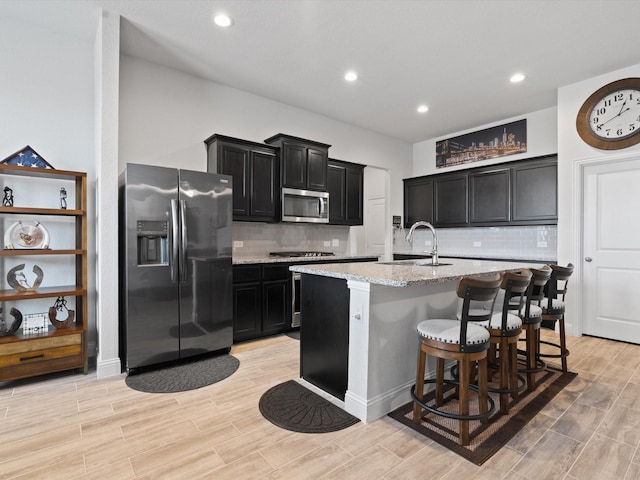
point(456, 56)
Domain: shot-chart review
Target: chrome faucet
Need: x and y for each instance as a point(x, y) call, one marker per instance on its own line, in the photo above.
point(434, 251)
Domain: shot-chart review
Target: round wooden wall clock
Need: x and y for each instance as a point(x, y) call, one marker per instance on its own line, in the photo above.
point(610, 118)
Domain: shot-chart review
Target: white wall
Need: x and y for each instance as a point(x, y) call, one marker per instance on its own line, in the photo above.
point(165, 115)
point(46, 101)
point(542, 139)
point(571, 150)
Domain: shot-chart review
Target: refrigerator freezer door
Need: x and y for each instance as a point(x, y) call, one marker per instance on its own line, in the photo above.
point(151, 311)
point(206, 310)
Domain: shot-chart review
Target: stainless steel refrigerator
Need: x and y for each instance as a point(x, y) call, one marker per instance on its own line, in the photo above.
point(175, 264)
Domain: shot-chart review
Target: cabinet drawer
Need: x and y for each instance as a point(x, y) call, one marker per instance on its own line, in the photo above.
point(36, 356)
point(276, 272)
point(35, 344)
point(246, 274)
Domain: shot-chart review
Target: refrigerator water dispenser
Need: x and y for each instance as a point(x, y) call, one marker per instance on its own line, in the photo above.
point(152, 242)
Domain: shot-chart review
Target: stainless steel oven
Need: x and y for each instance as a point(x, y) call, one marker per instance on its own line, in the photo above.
point(295, 299)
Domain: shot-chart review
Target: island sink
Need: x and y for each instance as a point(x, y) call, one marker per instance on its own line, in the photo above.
point(422, 262)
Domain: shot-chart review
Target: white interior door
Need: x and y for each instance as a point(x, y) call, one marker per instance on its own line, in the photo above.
point(611, 248)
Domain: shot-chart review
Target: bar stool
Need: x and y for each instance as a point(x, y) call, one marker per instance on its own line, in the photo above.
point(462, 341)
point(505, 328)
point(553, 310)
point(531, 317)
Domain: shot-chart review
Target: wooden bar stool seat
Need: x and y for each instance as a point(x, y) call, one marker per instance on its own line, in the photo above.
point(467, 344)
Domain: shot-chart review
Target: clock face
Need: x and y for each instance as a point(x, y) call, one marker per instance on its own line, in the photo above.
point(616, 115)
point(610, 118)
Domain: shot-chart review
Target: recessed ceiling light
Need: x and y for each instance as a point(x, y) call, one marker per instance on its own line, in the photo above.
point(351, 76)
point(222, 20)
point(423, 109)
point(517, 77)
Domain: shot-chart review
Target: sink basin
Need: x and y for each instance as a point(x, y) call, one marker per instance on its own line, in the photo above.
point(422, 262)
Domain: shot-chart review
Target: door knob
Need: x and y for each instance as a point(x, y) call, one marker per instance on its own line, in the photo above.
point(588, 259)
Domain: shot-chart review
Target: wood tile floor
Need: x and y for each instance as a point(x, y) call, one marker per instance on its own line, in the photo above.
point(76, 426)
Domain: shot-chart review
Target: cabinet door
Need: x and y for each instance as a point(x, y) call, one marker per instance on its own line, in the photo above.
point(316, 169)
point(264, 192)
point(294, 166)
point(489, 196)
point(336, 186)
point(274, 306)
point(247, 311)
point(355, 184)
point(535, 192)
point(234, 161)
point(451, 200)
point(418, 201)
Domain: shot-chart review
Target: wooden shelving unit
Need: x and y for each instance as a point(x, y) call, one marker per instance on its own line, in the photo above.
point(24, 356)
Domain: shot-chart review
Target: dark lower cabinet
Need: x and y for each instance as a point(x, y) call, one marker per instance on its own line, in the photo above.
point(261, 301)
point(324, 335)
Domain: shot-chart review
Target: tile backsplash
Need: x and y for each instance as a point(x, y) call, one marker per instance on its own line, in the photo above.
point(262, 238)
point(538, 242)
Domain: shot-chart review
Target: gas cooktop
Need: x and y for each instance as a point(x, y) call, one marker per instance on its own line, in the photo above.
point(301, 254)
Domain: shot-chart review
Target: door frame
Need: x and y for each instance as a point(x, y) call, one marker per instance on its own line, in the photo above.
point(576, 301)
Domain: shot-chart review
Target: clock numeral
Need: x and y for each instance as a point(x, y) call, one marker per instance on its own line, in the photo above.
point(608, 131)
point(607, 102)
point(595, 120)
point(618, 97)
point(619, 132)
point(632, 127)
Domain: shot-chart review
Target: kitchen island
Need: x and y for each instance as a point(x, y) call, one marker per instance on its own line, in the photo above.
point(358, 336)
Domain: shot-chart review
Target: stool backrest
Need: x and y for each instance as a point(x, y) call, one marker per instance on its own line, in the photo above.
point(515, 286)
point(535, 292)
point(558, 283)
point(476, 290)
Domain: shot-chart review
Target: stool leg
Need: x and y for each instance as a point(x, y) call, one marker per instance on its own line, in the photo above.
point(483, 392)
point(513, 370)
point(417, 409)
point(504, 374)
point(530, 335)
point(563, 345)
point(440, 382)
point(463, 399)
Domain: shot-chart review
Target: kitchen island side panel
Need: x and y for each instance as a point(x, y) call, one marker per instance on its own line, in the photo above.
point(324, 333)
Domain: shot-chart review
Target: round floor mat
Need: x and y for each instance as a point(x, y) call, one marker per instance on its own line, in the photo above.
point(293, 407)
point(184, 376)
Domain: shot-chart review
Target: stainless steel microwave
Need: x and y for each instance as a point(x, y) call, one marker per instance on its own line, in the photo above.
point(305, 206)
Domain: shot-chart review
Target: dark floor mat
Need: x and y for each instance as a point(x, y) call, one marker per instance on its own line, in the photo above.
point(294, 407)
point(184, 376)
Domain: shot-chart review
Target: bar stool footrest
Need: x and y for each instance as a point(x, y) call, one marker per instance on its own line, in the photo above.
point(550, 355)
point(453, 416)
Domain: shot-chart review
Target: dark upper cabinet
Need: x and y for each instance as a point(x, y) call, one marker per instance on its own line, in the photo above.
point(450, 193)
point(255, 171)
point(535, 192)
point(418, 200)
point(490, 196)
point(345, 183)
point(304, 162)
point(523, 192)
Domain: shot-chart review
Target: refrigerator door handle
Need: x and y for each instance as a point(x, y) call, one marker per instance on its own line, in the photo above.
point(173, 259)
point(182, 264)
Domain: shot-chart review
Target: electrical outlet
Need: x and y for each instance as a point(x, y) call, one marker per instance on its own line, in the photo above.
point(542, 244)
point(477, 244)
point(327, 243)
point(238, 244)
point(335, 242)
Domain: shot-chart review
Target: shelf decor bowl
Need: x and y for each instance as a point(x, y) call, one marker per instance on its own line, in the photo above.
point(18, 280)
point(23, 236)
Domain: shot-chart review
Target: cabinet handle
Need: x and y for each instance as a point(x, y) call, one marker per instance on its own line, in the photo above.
point(588, 259)
point(24, 359)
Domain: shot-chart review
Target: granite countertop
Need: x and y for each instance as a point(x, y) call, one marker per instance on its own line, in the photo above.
point(405, 274)
point(247, 259)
